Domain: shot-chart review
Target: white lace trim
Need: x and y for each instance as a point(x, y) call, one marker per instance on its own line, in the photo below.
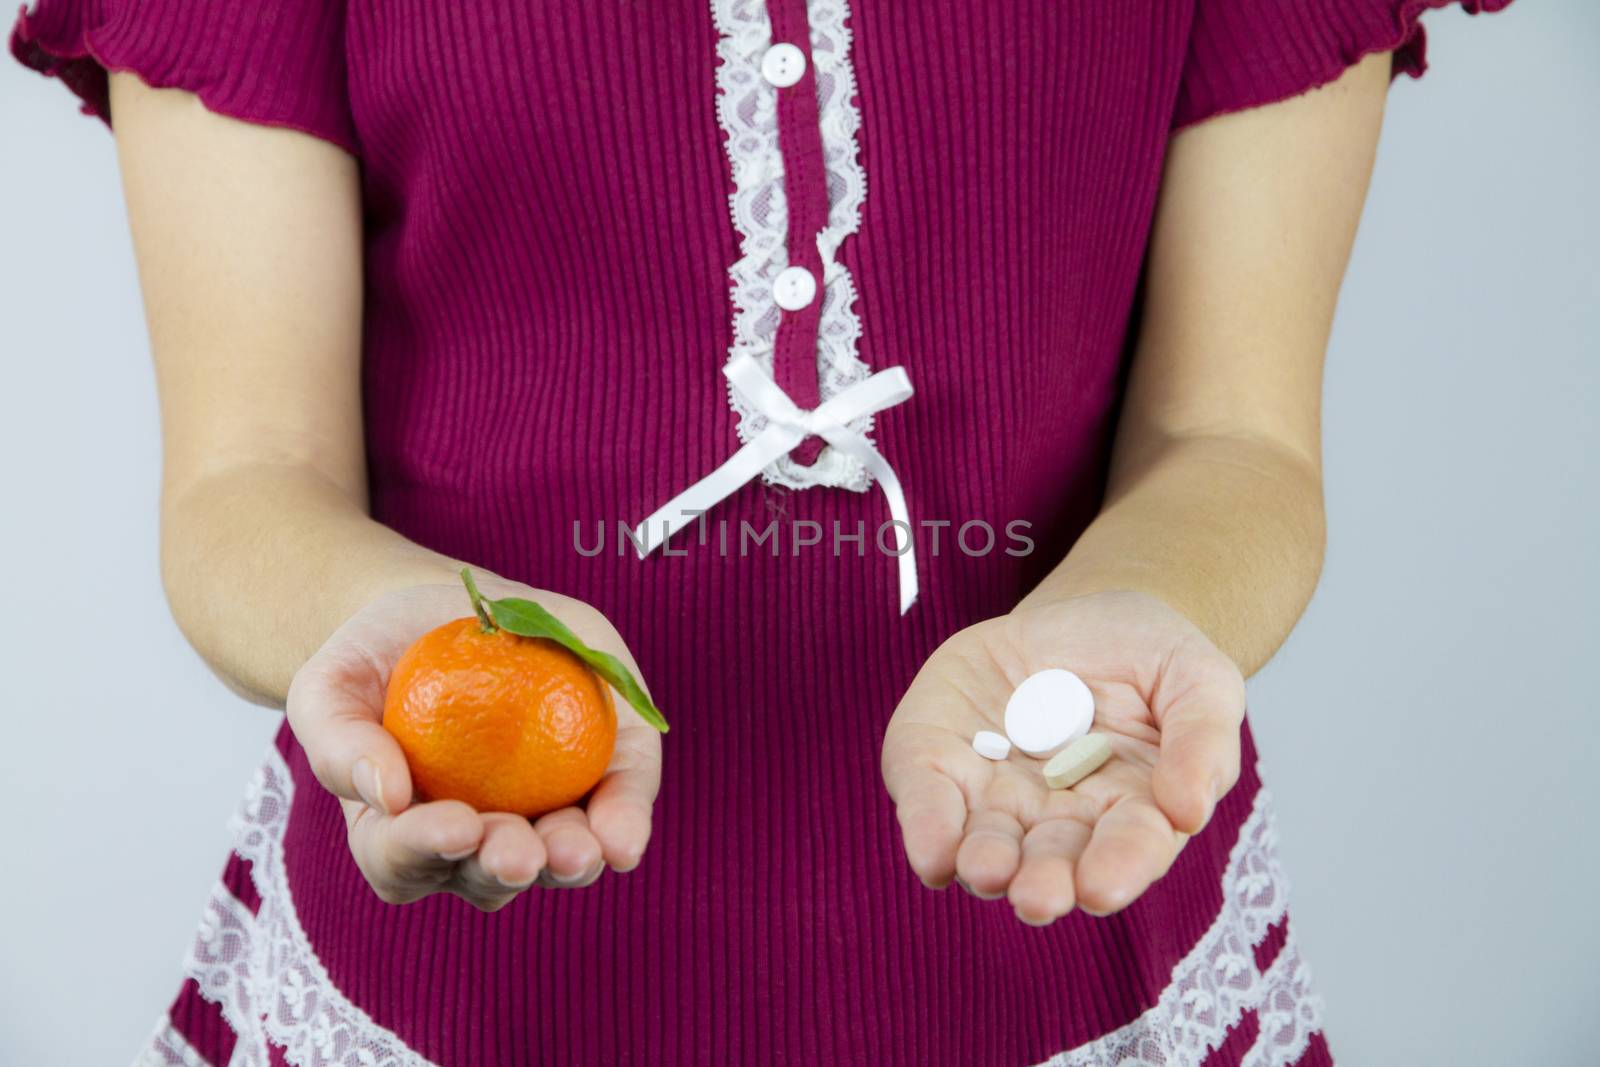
point(1289, 1013)
point(168, 1048)
point(261, 970)
point(1217, 982)
point(747, 107)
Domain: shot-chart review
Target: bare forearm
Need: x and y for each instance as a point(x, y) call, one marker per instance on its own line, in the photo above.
point(248, 239)
point(1228, 532)
point(262, 562)
point(1215, 498)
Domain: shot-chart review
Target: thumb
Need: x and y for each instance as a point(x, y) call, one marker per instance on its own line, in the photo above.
point(1199, 757)
point(336, 714)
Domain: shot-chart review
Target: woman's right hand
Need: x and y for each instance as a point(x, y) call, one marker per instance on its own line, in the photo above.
point(409, 850)
point(268, 438)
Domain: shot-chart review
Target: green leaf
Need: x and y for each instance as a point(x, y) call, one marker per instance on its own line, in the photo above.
point(527, 619)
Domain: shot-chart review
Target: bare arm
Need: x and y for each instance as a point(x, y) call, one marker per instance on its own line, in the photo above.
point(1215, 498)
point(1206, 549)
point(249, 248)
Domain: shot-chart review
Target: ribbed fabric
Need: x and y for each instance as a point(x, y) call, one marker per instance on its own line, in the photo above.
point(201, 1023)
point(1243, 53)
point(805, 183)
point(547, 314)
point(281, 62)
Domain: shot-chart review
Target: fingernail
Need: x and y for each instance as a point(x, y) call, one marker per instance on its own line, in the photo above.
point(452, 857)
point(578, 879)
point(979, 894)
point(516, 885)
point(364, 776)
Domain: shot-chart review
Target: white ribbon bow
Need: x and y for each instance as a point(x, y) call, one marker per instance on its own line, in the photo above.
point(787, 426)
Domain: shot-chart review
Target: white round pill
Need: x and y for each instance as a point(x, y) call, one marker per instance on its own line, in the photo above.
point(991, 745)
point(1048, 710)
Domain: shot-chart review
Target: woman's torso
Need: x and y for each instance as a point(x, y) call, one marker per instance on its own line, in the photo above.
point(548, 311)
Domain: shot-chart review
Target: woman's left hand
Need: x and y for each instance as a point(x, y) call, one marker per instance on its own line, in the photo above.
point(1170, 701)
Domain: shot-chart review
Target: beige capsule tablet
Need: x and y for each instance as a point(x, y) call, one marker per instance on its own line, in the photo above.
point(1077, 761)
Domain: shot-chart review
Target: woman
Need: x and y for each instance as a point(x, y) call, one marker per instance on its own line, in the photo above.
point(442, 285)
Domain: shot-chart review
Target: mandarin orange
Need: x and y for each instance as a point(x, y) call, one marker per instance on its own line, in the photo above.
point(502, 722)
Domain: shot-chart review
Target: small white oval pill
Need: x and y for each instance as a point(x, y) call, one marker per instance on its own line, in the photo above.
point(1077, 761)
point(1047, 710)
point(991, 745)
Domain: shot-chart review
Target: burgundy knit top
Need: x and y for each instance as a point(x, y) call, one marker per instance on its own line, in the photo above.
point(578, 215)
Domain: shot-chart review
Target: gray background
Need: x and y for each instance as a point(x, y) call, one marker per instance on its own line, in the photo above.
point(1428, 729)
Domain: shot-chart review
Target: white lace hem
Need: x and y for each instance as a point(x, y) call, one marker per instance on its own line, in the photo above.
point(747, 107)
point(168, 1048)
point(1217, 982)
point(262, 972)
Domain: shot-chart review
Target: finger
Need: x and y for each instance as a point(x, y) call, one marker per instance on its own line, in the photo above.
point(409, 855)
point(1199, 757)
point(1133, 844)
point(1043, 890)
point(620, 808)
point(511, 854)
point(335, 712)
point(991, 849)
point(932, 812)
point(574, 857)
point(508, 861)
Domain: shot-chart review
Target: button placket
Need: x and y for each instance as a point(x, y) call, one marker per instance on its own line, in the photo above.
point(798, 189)
point(805, 187)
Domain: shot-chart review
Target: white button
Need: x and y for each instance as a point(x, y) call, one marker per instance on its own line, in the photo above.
point(794, 288)
point(783, 65)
